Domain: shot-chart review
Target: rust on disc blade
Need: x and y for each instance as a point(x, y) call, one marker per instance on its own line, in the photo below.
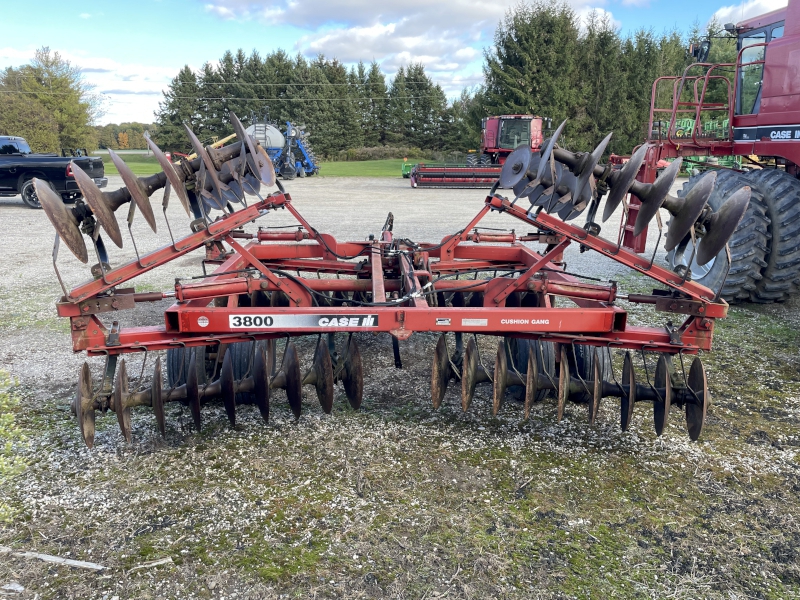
point(192, 393)
point(500, 378)
point(655, 195)
point(623, 180)
point(531, 382)
point(261, 377)
point(62, 219)
point(94, 198)
point(722, 225)
point(563, 382)
point(627, 401)
point(469, 374)
point(323, 369)
point(294, 383)
point(696, 413)
point(693, 204)
point(597, 389)
point(227, 389)
point(84, 405)
point(169, 171)
point(663, 382)
point(121, 395)
point(136, 189)
point(440, 372)
point(157, 398)
point(353, 375)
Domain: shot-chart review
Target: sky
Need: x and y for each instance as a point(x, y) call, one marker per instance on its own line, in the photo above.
point(129, 51)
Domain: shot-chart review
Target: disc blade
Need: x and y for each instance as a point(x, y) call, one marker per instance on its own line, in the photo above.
point(227, 387)
point(192, 392)
point(440, 371)
point(62, 219)
point(531, 382)
point(469, 372)
point(121, 395)
point(217, 187)
point(263, 170)
point(597, 388)
point(588, 166)
point(323, 368)
point(261, 375)
point(84, 405)
point(157, 398)
point(563, 383)
point(628, 400)
point(353, 375)
point(294, 385)
point(516, 167)
point(722, 225)
point(136, 189)
point(693, 204)
point(663, 382)
point(169, 171)
point(500, 378)
point(94, 198)
point(622, 180)
point(655, 196)
point(696, 411)
point(548, 150)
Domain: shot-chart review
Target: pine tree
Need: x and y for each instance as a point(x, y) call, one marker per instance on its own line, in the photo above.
point(181, 105)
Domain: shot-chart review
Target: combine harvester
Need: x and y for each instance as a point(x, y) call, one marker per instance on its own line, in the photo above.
point(499, 137)
point(229, 334)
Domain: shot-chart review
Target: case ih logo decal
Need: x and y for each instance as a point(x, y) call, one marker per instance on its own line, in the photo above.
point(300, 321)
point(776, 133)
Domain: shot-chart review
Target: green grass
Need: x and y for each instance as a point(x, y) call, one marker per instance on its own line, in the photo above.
point(140, 164)
point(363, 168)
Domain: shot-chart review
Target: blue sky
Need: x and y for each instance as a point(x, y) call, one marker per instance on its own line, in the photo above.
point(131, 50)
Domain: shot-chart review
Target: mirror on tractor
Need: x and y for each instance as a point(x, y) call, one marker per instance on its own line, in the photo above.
point(700, 51)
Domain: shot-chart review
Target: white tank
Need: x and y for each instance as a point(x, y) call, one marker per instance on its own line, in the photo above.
point(267, 135)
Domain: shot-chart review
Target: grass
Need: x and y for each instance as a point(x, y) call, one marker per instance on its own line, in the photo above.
point(147, 165)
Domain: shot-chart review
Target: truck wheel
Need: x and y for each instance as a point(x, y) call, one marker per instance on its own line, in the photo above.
point(28, 193)
point(749, 245)
point(780, 196)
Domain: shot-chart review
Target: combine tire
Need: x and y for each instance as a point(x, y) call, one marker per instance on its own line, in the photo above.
point(472, 160)
point(780, 196)
point(485, 160)
point(749, 245)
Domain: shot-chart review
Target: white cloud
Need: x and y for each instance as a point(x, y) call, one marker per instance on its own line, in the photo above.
point(85, 16)
point(747, 9)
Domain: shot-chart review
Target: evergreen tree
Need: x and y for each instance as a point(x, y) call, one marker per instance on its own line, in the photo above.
point(181, 105)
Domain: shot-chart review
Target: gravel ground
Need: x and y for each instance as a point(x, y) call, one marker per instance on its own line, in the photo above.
point(396, 500)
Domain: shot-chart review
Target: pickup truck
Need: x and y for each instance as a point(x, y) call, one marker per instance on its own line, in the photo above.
point(18, 167)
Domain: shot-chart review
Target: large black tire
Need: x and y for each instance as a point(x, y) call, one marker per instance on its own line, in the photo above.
point(583, 366)
point(519, 350)
point(28, 193)
point(780, 196)
point(749, 245)
point(242, 357)
point(485, 160)
point(178, 363)
point(472, 160)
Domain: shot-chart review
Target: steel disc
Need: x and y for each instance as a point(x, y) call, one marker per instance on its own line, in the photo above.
point(62, 219)
point(693, 204)
point(531, 382)
point(537, 197)
point(722, 225)
point(597, 389)
point(563, 383)
point(169, 171)
point(266, 170)
point(696, 413)
point(84, 405)
point(323, 369)
point(192, 393)
point(500, 378)
point(136, 188)
point(547, 150)
point(94, 198)
point(121, 395)
point(588, 165)
point(157, 398)
point(250, 184)
point(440, 373)
point(623, 180)
point(294, 384)
point(228, 388)
point(353, 375)
point(257, 158)
point(516, 167)
point(627, 401)
point(469, 374)
point(521, 189)
point(655, 195)
point(662, 381)
point(261, 381)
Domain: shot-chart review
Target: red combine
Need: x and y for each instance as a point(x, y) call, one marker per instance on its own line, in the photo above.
point(499, 137)
point(757, 100)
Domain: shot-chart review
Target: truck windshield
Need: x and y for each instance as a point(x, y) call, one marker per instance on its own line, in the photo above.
point(14, 147)
point(514, 132)
point(23, 147)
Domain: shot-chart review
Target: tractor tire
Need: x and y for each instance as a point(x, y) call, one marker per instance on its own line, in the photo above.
point(780, 197)
point(584, 367)
point(178, 362)
point(519, 350)
point(749, 245)
point(472, 160)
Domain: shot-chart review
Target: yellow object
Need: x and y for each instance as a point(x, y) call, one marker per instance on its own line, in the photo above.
point(217, 144)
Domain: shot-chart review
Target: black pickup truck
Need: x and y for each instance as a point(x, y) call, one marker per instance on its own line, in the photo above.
point(18, 167)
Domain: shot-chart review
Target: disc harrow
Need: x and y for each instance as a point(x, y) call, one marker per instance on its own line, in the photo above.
point(230, 335)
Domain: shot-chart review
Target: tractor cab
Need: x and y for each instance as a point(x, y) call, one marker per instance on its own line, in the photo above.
point(753, 37)
point(515, 132)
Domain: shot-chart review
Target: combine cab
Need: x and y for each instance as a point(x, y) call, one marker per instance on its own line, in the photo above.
point(499, 137)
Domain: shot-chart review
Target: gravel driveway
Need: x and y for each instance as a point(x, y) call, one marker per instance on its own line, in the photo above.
point(396, 500)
